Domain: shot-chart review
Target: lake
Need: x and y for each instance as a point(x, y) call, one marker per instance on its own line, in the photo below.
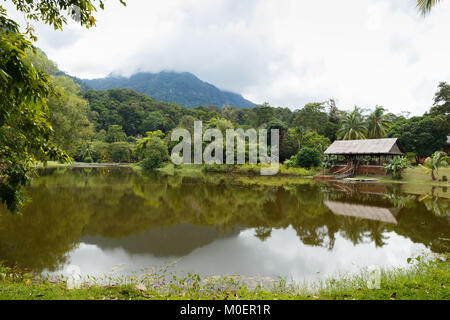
point(114, 219)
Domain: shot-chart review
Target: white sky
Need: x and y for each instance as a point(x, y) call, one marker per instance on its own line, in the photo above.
point(285, 52)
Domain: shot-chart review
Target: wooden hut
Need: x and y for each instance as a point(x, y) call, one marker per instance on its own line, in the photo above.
point(362, 156)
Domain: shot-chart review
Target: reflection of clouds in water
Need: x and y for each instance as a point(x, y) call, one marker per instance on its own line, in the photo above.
point(280, 255)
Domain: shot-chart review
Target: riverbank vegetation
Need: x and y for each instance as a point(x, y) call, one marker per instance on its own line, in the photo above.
point(416, 176)
point(424, 279)
point(122, 126)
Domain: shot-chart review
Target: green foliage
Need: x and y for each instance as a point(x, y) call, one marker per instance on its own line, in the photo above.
point(315, 140)
point(100, 150)
point(141, 144)
point(155, 153)
point(437, 160)
point(308, 157)
point(425, 6)
point(353, 126)
point(135, 112)
point(441, 103)
point(262, 114)
point(120, 151)
point(68, 110)
point(312, 117)
point(378, 123)
point(423, 279)
point(115, 134)
point(55, 13)
point(25, 132)
point(396, 166)
point(421, 135)
point(220, 123)
point(154, 121)
point(282, 128)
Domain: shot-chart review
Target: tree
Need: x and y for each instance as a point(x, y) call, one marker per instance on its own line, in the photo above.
point(120, 151)
point(441, 105)
point(425, 6)
point(68, 110)
point(353, 126)
point(115, 134)
point(220, 123)
point(141, 144)
point(315, 140)
point(421, 135)
point(308, 157)
point(155, 154)
point(154, 121)
point(55, 13)
point(100, 150)
point(396, 166)
point(264, 114)
point(378, 123)
point(282, 132)
point(434, 162)
point(312, 117)
point(25, 132)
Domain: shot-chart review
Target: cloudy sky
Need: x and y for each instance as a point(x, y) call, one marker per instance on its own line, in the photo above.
point(285, 52)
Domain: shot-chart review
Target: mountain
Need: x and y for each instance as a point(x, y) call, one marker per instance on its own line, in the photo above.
point(183, 88)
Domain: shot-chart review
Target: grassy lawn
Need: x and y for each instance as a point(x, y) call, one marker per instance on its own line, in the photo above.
point(419, 175)
point(425, 279)
point(417, 181)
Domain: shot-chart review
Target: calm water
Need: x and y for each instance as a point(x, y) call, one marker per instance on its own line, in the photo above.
point(114, 219)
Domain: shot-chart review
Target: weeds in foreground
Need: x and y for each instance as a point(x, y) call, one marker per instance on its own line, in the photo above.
point(425, 278)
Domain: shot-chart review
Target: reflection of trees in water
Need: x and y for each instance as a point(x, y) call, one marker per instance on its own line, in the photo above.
point(115, 204)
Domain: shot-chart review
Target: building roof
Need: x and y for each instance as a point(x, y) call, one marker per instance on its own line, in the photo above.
point(362, 211)
point(369, 146)
point(448, 140)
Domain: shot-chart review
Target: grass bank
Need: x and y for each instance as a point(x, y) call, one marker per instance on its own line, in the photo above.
point(425, 279)
point(417, 175)
point(417, 181)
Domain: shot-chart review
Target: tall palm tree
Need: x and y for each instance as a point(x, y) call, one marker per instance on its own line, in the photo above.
point(378, 123)
point(425, 6)
point(353, 126)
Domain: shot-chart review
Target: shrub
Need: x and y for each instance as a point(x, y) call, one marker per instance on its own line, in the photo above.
point(308, 157)
point(396, 167)
point(434, 162)
point(155, 153)
point(120, 151)
point(291, 162)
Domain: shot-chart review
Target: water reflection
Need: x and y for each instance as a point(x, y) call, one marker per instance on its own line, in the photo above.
point(101, 217)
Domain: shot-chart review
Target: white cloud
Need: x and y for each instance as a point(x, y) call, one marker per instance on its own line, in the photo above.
point(286, 52)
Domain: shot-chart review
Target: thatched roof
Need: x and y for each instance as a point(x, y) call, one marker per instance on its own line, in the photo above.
point(448, 140)
point(361, 211)
point(369, 146)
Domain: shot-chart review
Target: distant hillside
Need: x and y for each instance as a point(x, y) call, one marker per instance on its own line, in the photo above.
point(184, 89)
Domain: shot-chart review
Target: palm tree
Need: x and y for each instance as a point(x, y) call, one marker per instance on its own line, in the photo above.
point(425, 6)
point(353, 126)
point(434, 162)
point(378, 123)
